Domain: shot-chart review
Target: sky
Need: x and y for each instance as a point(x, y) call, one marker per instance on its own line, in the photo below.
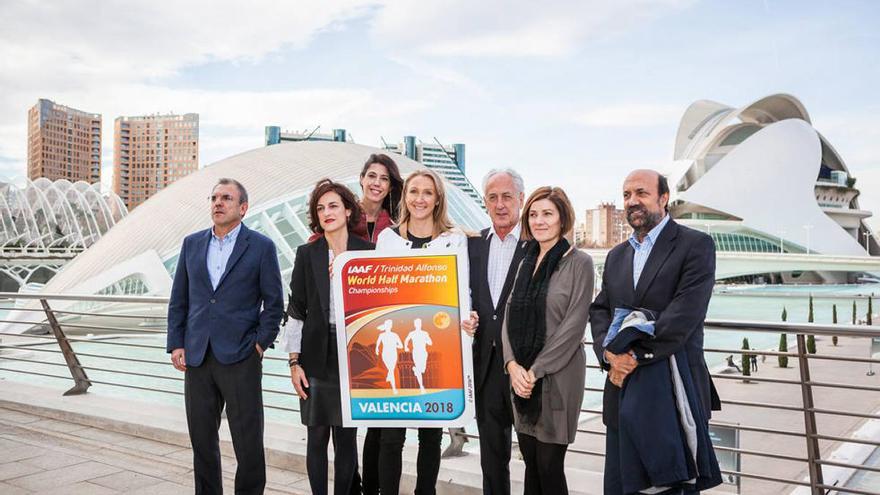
point(570, 93)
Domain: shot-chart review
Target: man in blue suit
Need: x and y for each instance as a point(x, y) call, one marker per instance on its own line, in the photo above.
point(669, 270)
point(225, 308)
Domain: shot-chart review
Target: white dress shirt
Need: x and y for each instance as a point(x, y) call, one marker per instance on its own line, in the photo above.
point(501, 253)
point(219, 251)
point(642, 250)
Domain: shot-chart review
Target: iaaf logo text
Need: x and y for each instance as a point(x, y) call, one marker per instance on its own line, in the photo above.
point(361, 269)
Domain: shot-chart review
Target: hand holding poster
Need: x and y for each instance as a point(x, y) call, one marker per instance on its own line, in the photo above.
point(403, 359)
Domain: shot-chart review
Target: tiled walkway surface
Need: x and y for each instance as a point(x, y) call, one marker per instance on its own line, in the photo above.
point(40, 455)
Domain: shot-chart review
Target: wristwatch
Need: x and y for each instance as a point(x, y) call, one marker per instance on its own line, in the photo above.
point(293, 362)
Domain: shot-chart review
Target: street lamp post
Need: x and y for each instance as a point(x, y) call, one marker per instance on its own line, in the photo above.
point(808, 228)
point(867, 242)
point(781, 241)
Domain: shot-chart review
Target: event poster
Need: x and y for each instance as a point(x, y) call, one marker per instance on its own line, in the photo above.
point(403, 358)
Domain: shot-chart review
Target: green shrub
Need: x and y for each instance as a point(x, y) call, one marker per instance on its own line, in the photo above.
point(783, 347)
point(834, 321)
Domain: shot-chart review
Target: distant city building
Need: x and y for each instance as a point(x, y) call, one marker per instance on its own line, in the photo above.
point(63, 143)
point(605, 226)
point(274, 135)
point(448, 161)
point(580, 235)
point(152, 151)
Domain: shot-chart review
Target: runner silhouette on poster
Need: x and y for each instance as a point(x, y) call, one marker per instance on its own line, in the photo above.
point(390, 343)
point(420, 341)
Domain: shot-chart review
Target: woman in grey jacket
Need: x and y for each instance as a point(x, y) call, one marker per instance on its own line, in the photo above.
point(543, 335)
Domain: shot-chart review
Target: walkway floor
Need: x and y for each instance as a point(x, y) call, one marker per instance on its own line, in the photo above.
point(98, 444)
point(41, 455)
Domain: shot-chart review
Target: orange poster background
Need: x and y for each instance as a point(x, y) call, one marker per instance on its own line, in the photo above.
point(445, 294)
point(444, 371)
point(436, 304)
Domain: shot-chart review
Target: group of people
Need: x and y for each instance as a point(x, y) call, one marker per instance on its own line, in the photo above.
point(532, 297)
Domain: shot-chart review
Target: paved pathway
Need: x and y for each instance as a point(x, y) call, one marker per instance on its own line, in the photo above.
point(41, 455)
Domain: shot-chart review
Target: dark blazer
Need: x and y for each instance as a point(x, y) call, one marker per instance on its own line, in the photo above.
point(229, 319)
point(676, 284)
point(310, 300)
point(491, 316)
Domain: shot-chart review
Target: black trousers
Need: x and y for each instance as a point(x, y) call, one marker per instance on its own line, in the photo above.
point(238, 386)
point(494, 422)
point(383, 460)
point(345, 462)
point(545, 466)
point(613, 484)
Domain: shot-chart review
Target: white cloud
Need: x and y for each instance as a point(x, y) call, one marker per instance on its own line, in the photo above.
point(85, 41)
point(112, 57)
point(631, 115)
point(509, 28)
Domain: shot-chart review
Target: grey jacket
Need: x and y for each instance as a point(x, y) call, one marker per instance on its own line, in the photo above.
point(562, 362)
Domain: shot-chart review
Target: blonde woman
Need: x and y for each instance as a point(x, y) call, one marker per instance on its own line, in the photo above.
point(424, 223)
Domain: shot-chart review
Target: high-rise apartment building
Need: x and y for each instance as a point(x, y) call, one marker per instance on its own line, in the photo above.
point(152, 151)
point(63, 143)
point(448, 161)
point(605, 226)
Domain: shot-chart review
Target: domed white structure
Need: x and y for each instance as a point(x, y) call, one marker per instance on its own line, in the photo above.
point(139, 255)
point(761, 179)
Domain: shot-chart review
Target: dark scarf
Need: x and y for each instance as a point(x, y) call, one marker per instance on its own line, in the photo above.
point(526, 317)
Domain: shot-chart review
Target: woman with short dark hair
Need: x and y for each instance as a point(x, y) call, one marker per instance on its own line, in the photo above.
point(310, 337)
point(543, 334)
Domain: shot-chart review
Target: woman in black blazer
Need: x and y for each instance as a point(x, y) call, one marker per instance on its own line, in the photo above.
point(310, 337)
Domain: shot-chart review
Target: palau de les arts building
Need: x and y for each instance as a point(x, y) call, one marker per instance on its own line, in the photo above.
point(761, 179)
point(752, 177)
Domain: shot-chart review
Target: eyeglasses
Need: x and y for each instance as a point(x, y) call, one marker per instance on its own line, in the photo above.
point(226, 198)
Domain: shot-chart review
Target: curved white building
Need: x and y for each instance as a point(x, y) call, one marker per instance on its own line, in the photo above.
point(43, 223)
point(139, 255)
point(44, 215)
point(761, 179)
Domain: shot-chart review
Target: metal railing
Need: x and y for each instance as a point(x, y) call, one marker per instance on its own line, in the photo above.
point(90, 334)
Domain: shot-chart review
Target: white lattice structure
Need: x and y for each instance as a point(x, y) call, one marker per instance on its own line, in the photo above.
point(44, 224)
point(43, 217)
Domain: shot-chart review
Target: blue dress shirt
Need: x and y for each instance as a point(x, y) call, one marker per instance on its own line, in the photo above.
point(219, 251)
point(643, 249)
